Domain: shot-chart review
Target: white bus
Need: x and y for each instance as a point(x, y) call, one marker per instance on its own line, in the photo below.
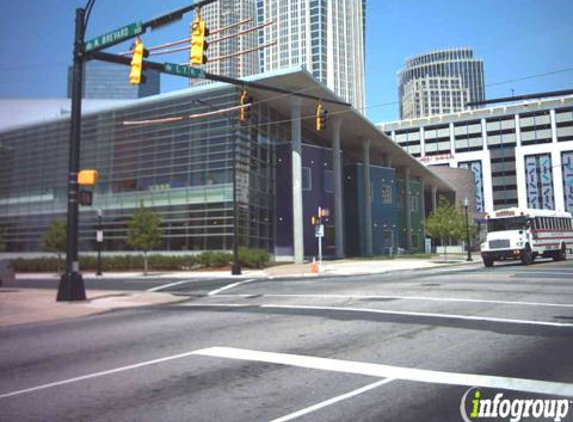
point(525, 234)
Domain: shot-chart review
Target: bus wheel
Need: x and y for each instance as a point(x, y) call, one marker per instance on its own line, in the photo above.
point(561, 254)
point(527, 255)
point(488, 262)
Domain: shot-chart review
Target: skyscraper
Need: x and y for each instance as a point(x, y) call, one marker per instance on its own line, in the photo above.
point(439, 82)
point(224, 44)
point(326, 37)
point(104, 80)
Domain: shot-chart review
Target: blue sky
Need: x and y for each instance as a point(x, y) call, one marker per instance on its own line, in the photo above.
point(515, 38)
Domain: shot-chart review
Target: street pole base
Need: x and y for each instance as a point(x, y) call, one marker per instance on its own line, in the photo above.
point(71, 288)
point(469, 258)
point(236, 269)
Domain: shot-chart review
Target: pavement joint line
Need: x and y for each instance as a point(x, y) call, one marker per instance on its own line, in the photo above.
point(385, 312)
point(332, 401)
point(230, 286)
point(167, 286)
point(393, 372)
point(425, 314)
point(420, 298)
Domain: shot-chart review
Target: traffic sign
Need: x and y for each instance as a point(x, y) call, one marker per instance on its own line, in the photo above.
point(183, 70)
point(115, 37)
point(319, 230)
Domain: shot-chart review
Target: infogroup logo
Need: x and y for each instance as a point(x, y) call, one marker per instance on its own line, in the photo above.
point(514, 410)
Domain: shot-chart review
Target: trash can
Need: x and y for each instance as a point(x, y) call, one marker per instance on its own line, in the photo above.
point(6, 271)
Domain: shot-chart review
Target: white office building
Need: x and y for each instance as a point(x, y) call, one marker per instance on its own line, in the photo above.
point(520, 154)
point(440, 82)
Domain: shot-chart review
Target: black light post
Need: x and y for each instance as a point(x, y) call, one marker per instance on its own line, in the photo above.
point(71, 285)
point(236, 266)
point(466, 205)
point(99, 241)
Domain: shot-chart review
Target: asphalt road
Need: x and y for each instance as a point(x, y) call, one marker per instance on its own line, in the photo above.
point(399, 347)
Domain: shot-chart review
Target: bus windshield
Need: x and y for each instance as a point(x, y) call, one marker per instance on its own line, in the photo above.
point(511, 223)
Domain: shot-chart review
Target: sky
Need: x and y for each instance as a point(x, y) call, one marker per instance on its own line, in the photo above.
point(526, 45)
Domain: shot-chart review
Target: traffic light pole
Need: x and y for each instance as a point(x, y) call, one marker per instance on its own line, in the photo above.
point(71, 287)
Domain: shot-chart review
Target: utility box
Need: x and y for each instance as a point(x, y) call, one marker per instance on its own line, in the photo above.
point(6, 271)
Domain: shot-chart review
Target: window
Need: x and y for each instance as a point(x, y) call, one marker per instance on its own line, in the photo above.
point(328, 182)
point(386, 194)
point(306, 178)
point(413, 203)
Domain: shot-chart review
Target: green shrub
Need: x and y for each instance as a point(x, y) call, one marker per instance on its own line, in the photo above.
point(253, 258)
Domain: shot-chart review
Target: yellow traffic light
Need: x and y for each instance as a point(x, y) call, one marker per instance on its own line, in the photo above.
point(139, 52)
point(198, 43)
point(245, 102)
point(87, 177)
point(320, 117)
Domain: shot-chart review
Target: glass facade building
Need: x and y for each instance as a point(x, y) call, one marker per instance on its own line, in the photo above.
point(440, 82)
point(102, 80)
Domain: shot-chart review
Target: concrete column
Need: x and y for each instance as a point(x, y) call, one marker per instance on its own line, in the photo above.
point(297, 210)
point(408, 212)
point(434, 198)
point(423, 214)
point(337, 191)
point(367, 195)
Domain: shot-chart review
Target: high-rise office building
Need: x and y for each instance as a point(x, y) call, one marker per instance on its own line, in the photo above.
point(440, 82)
point(324, 36)
point(222, 16)
point(104, 80)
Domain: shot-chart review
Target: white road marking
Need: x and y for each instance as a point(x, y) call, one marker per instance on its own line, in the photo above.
point(420, 298)
point(97, 374)
point(229, 286)
point(167, 286)
point(425, 314)
point(393, 372)
point(331, 401)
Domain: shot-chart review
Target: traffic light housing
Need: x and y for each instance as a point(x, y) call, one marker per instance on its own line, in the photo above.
point(320, 117)
point(245, 102)
point(85, 197)
point(199, 45)
point(136, 76)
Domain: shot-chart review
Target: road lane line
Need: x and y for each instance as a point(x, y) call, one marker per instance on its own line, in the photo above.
point(97, 374)
point(420, 298)
point(424, 314)
point(229, 286)
point(332, 401)
point(393, 372)
point(167, 286)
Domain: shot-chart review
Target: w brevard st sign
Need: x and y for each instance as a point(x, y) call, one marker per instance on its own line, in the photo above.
point(115, 37)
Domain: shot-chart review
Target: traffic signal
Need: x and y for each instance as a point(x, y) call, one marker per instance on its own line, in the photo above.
point(86, 197)
point(198, 43)
point(246, 102)
point(136, 76)
point(320, 117)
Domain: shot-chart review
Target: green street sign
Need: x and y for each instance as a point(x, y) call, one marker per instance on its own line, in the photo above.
point(183, 70)
point(115, 37)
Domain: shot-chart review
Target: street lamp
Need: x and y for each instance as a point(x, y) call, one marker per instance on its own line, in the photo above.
point(466, 205)
point(236, 266)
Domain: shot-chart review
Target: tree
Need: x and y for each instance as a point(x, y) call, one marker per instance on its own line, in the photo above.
point(56, 240)
point(144, 231)
point(446, 222)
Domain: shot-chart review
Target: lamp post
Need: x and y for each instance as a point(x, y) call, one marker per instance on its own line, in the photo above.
point(466, 205)
point(99, 241)
point(236, 266)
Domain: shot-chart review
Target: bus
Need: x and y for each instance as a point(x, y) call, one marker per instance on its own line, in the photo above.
point(525, 234)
